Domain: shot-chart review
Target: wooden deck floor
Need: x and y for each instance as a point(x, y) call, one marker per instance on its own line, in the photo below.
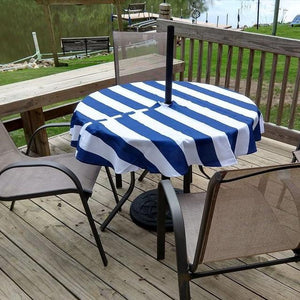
point(47, 250)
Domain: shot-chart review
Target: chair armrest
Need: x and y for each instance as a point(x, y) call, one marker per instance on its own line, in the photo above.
point(167, 193)
point(50, 164)
point(45, 126)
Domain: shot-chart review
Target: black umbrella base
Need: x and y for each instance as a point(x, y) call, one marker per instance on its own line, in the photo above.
point(143, 211)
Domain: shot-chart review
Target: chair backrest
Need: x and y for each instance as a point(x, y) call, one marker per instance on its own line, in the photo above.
point(139, 56)
point(249, 212)
point(6, 143)
point(296, 156)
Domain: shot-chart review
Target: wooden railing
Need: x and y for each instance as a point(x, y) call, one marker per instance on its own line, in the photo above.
point(264, 68)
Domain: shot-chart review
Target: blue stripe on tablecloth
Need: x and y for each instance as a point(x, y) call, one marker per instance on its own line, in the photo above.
point(91, 158)
point(122, 99)
point(79, 119)
point(176, 157)
point(143, 92)
point(131, 154)
point(230, 131)
point(103, 108)
point(204, 144)
point(257, 132)
point(211, 106)
point(219, 96)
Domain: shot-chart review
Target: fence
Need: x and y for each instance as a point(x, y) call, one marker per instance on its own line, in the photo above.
point(264, 68)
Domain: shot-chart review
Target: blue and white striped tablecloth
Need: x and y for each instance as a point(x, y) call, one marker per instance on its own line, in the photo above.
point(129, 127)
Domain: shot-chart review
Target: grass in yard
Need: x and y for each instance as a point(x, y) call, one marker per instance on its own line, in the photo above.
point(76, 63)
point(283, 30)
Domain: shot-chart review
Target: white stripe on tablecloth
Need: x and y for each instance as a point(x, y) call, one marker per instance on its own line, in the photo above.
point(242, 141)
point(219, 138)
point(150, 151)
point(90, 112)
point(115, 104)
point(133, 96)
point(75, 131)
point(185, 142)
point(225, 92)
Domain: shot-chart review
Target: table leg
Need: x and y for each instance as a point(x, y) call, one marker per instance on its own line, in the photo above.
point(118, 181)
point(120, 203)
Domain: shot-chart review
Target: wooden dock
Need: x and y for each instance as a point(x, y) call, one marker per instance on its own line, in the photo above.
point(138, 17)
point(47, 250)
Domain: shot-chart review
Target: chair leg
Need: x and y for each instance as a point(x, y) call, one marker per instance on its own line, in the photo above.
point(118, 181)
point(12, 205)
point(161, 229)
point(184, 287)
point(187, 180)
point(112, 185)
point(203, 172)
point(94, 230)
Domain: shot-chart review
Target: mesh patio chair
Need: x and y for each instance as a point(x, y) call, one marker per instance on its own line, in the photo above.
point(149, 47)
point(139, 49)
point(243, 213)
point(23, 177)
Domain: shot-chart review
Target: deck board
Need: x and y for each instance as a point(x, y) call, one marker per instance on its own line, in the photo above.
point(50, 238)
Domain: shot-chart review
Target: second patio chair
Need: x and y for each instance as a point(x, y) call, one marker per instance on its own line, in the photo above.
point(23, 177)
point(296, 154)
point(244, 212)
point(141, 56)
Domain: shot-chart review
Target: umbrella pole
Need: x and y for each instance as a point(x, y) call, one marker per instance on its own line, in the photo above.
point(169, 64)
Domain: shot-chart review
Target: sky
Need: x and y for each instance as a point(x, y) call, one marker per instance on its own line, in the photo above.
point(288, 9)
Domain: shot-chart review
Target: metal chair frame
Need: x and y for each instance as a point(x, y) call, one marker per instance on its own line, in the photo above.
point(48, 163)
point(187, 271)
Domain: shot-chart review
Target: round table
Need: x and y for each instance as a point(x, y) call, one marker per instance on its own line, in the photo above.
point(129, 127)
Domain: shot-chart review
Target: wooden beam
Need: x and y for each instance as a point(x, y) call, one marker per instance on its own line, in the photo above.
point(283, 134)
point(47, 12)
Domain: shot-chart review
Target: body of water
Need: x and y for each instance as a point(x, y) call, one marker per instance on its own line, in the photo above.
point(227, 11)
point(19, 18)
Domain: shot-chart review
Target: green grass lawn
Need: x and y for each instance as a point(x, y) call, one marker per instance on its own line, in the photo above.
point(76, 63)
point(283, 30)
